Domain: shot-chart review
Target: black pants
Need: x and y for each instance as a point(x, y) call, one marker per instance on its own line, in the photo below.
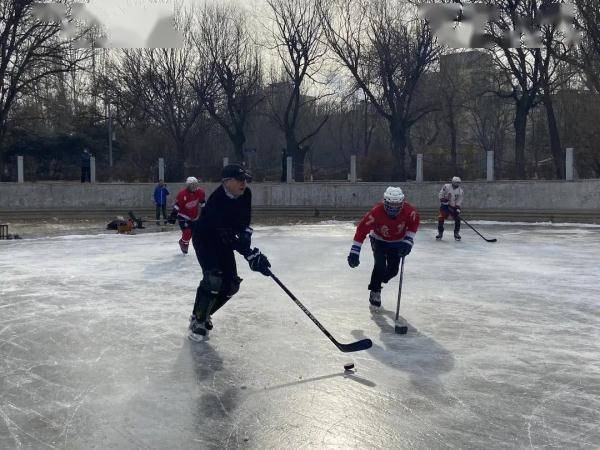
point(159, 209)
point(387, 263)
point(220, 280)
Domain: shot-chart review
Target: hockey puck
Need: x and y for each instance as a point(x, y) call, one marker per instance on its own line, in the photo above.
point(348, 366)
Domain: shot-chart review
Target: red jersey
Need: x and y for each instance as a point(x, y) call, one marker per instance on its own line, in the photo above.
point(188, 203)
point(380, 226)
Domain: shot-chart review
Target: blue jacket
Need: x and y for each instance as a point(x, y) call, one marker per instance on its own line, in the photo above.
point(160, 195)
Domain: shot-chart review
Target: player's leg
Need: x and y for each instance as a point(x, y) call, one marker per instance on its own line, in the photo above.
point(186, 234)
point(457, 228)
point(444, 212)
point(392, 263)
point(378, 273)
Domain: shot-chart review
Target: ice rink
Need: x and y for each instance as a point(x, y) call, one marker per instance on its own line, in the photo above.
point(503, 348)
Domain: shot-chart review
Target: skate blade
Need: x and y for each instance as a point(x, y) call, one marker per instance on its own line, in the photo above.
point(194, 337)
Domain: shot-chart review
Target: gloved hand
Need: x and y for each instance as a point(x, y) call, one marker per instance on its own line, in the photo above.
point(457, 210)
point(172, 217)
point(244, 240)
point(259, 262)
point(405, 246)
point(353, 259)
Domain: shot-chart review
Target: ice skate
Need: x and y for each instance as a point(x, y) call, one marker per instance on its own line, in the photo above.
point(183, 246)
point(439, 236)
point(375, 299)
point(457, 236)
point(197, 331)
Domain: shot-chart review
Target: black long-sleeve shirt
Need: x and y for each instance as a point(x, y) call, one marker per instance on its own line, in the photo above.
point(225, 221)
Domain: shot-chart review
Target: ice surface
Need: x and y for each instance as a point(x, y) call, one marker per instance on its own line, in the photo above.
point(502, 351)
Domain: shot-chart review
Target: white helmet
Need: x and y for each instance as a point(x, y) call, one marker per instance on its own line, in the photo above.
point(192, 183)
point(456, 180)
point(393, 199)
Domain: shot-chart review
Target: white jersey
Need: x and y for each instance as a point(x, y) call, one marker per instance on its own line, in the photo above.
point(451, 196)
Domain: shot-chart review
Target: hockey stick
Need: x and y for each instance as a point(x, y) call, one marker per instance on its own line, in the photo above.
point(482, 237)
point(400, 328)
point(357, 346)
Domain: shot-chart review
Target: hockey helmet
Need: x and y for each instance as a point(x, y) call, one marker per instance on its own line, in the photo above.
point(192, 183)
point(237, 172)
point(456, 180)
point(393, 199)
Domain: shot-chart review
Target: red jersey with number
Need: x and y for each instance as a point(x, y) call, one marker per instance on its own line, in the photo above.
point(188, 203)
point(380, 226)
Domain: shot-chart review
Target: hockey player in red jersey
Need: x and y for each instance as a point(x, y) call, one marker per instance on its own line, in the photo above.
point(391, 226)
point(187, 210)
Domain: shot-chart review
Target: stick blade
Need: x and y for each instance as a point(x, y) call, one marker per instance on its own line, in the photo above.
point(357, 346)
point(492, 240)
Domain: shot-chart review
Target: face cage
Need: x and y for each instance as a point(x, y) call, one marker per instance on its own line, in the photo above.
point(392, 209)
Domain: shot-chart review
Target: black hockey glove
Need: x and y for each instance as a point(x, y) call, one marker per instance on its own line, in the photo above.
point(405, 247)
point(353, 260)
point(259, 262)
point(456, 211)
point(245, 240)
point(172, 217)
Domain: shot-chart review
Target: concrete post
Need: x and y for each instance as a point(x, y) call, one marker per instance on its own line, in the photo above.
point(92, 169)
point(569, 165)
point(490, 166)
point(161, 168)
point(290, 172)
point(225, 161)
point(20, 176)
point(353, 169)
point(419, 168)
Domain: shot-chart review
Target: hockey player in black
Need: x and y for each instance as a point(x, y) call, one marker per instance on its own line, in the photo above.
point(223, 227)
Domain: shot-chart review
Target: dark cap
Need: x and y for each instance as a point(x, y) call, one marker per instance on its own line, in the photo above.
point(237, 172)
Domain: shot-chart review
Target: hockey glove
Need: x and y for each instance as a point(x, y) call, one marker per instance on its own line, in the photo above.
point(172, 217)
point(457, 211)
point(259, 262)
point(405, 247)
point(354, 256)
point(244, 241)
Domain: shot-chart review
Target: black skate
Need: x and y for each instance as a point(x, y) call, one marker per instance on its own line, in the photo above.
point(375, 299)
point(439, 237)
point(457, 237)
point(197, 331)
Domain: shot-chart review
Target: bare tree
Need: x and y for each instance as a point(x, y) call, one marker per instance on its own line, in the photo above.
point(297, 37)
point(31, 49)
point(229, 77)
point(585, 55)
point(154, 83)
point(387, 49)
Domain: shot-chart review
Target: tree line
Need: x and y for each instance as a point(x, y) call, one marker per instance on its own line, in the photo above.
point(317, 80)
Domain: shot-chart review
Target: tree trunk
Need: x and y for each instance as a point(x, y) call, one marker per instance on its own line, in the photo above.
point(520, 124)
point(178, 169)
point(299, 157)
point(555, 145)
point(398, 135)
point(238, 141)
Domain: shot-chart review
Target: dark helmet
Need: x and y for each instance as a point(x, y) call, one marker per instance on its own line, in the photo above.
point(236, 171)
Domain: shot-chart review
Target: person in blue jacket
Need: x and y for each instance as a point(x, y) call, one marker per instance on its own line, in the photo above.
point(160, 199)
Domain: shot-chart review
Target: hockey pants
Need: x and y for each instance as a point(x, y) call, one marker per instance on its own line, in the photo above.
point(387, 262)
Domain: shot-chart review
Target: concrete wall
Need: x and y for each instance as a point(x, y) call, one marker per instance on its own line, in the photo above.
point(544, 198)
